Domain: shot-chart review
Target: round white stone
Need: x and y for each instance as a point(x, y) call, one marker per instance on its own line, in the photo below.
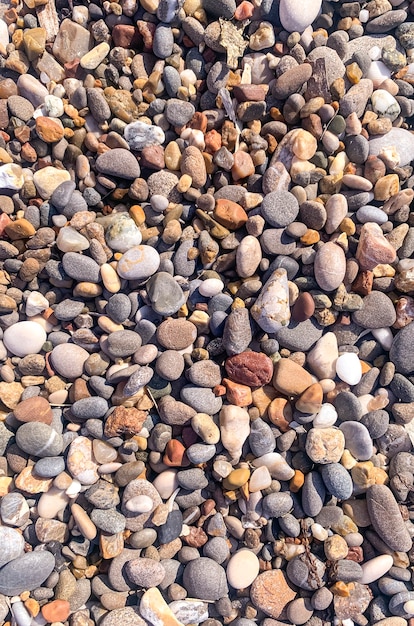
point(326, 417)
point(123, 234)
point(242, 569)
point(138, 263)
point(348, 368)
point(140, 504)
point(384, 336)
point(211, 287)
point(36, 303)
point(24, 338)
point(296, 18)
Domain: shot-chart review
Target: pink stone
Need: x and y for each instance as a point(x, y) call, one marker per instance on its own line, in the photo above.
point(373, 248)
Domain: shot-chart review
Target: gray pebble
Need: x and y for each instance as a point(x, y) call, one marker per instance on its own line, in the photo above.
point(165, 294)
point(205, 579)
point(193, 478)
point(300, 568)
point(217, 549)
point(299, 336)
point(200, 453)
point(277, 504)
point(178, 112)
point(261, 438)
point(163, 41)
point(201, 399)
point(89, 408)
point(109, 520)
point(338, 481)
point(80, 267)
point(122, 343)
point(26, 572)
point(357, 440)
point(39, 440)
point(313, 494)
point(49, 467)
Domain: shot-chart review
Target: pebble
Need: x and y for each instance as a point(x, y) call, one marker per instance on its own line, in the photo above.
point(390, 527)
point(205, 579)
point(24, 338)
point(270, 593)
point(138, 263)
point(26, 572)
point(242, 569)
point(271, 309)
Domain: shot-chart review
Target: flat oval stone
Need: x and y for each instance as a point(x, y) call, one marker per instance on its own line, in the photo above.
point(401, 353)
point(68, 360)
point(386, 518)
point(330, 266)
point(39, 439)
point(145, 572)
point(49, 467)
point(26, 573)
point(81, 462)
point(357, 440)
point(118, 162)
point(138, 263)
point(24, 338)
point(89, 408)
point(242, 569)
point(337, 479)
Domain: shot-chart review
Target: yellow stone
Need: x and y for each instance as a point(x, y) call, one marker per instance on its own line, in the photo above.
point(345, 526)
point(172, 156)
point(382, 270)
point(354, 73)
point(236, 478)
point(184, 183)
point(34, 40)
point(335, 548)
point(347, 226)
point(6, 485)
point(87, 290)
point(5, 156)
point(10, 394)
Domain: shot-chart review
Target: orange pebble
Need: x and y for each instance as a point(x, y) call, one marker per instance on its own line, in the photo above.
point(56, 611)
point(296, 482)
point(240, 395)
point(212, 140)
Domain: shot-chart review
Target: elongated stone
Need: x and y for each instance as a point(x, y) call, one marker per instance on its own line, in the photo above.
point(271, 309)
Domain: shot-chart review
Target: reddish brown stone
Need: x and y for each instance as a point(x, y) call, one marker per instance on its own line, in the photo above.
point(270, 592)
point(146, 30)
point(126, 36)
point(196, 537)
point(56, 611)
point(34, 410)
point(363, 283)
point(22, 133)
point(303, 308)
point(152, 157)
point(124, 421)
point(249, 93)
point(175, 455)
point(253, 369)
point(198, 122)
point(405, 311)
point(230, 214)
point(4, 114)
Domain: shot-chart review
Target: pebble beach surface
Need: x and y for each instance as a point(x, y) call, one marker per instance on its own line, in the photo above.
point(206, 313)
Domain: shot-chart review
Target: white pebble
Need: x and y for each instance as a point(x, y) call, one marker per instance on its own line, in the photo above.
point(140, 504)
point(159, 203)
point(211, 287)
point(36, 303)
point(409, 607)
point(384, 336)
point(375, 53)
point(319, 532)
point(326, 417)
point(74, 488)
point(375, 568)
point(109, 468)
point(194, 137)
point(348, 368)
point(24, 338)
point(364, 16)
point(53, 105)
point(188, 78)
